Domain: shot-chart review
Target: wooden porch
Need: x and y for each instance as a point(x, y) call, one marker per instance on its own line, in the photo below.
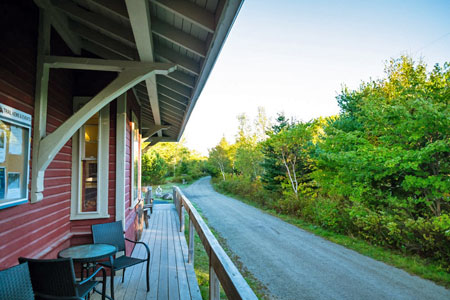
point(171, 276)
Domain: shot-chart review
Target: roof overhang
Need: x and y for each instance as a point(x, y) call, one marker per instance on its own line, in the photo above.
point(187, 33)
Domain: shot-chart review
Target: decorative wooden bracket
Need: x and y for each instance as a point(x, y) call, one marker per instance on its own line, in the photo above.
point(148, 132)
point(130, 74)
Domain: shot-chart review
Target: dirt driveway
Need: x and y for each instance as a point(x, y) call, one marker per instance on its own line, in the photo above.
point(295, 264)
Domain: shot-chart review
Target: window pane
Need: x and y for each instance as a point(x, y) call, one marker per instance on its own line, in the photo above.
point(89, 165)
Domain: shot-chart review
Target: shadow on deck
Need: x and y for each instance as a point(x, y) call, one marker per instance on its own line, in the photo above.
point(171, 276)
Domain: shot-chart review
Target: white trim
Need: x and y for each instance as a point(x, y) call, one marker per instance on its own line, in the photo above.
point(131, 73)
point(121, 146)
point(40, 99)
point(134, 123)
point(102, 167)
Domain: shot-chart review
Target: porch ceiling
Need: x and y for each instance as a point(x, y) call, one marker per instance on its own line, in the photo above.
point(189, 33)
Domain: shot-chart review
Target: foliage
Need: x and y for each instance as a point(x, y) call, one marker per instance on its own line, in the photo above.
point(154, 167)
point(219, 158)
point(378, 171)
point(173, 160)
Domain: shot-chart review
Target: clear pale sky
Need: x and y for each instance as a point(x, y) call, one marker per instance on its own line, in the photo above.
point(294, 56)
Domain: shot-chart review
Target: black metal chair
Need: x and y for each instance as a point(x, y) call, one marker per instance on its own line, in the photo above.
point(15, 283)
point(55, 279)
point(112, 234)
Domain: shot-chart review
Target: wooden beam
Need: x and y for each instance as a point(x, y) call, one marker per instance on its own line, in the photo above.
point(156, 139)
point(179, 37)
point(104, 41)
point(174, 86)
point(191, 12)
point(40, 97)
point(104, 24)
point(95, 64)
point(113, 7)
point(131, 74)
point(172, 95)
point(147, 132)
point(170, 118)
point(100, 51)
point(185, 62)
point(139, 13)
point(61, 25)
point(183, 78)
point(172, 113)
point(169, 102)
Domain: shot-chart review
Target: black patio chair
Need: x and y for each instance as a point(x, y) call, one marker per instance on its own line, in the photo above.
point(15, 283)
point(55, 279)
point(113, 234)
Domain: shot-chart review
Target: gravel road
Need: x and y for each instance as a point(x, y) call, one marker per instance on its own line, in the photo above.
point(295, 264)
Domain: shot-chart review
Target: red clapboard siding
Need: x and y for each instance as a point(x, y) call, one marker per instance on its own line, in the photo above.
point(43, 228)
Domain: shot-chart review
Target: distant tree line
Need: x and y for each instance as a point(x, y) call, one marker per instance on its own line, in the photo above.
point(380, 170)
point(172, 162)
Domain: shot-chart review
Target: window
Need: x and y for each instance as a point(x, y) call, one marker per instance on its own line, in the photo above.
point(90, 161)
point(15, 128)
point(136, 161)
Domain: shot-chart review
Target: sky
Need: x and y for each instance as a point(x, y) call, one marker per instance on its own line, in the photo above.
point(294, 57)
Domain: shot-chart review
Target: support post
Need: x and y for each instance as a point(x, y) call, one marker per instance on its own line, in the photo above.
point(214, 284)
point(191, 242)
point(40, 99)
point(121, 133)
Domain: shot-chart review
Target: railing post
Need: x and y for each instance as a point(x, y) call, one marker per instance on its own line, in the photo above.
point(181, 217)
point(214, 284)
point(174, 196)
point(191, 242)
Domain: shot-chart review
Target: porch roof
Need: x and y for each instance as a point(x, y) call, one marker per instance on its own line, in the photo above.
point(187, 33)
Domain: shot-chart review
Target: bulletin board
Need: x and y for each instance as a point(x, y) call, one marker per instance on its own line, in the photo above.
point(15, 136)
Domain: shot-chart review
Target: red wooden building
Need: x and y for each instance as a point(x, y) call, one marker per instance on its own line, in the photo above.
point(82, 84)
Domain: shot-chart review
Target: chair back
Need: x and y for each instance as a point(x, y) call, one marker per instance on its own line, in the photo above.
point(15, 283)
point(109, 233)
point(52, 277)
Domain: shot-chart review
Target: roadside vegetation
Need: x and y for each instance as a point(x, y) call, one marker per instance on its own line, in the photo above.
point(375, 178)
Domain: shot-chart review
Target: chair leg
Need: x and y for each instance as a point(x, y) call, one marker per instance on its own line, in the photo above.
point(104, 285)
point(123, 275)
point(148, 268)
point(112, 282)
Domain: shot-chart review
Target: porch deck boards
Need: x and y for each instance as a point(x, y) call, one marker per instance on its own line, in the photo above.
point(171, 276)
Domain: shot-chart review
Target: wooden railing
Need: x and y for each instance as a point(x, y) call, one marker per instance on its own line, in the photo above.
point(222, 271)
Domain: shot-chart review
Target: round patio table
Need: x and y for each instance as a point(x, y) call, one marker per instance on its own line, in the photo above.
point(88, 255)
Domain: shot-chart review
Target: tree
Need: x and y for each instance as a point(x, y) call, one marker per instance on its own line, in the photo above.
point(154, 168)
point(219, 157)
point(390, 148)
point(273, 173)
point(294, 147)
point(262, 125)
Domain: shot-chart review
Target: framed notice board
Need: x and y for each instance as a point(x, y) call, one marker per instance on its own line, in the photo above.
point(15, 135)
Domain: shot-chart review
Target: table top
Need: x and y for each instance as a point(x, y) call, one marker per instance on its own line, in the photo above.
point(89, 252)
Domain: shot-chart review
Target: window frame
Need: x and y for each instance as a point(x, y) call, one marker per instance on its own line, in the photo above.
point(135, 127)
point(102, 166)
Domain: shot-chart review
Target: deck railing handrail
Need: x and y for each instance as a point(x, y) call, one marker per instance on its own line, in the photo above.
point(221, 268)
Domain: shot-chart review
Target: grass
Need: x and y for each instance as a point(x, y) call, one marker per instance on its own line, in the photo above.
point(412, 264)
point(168, 188)
point(201, 264)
